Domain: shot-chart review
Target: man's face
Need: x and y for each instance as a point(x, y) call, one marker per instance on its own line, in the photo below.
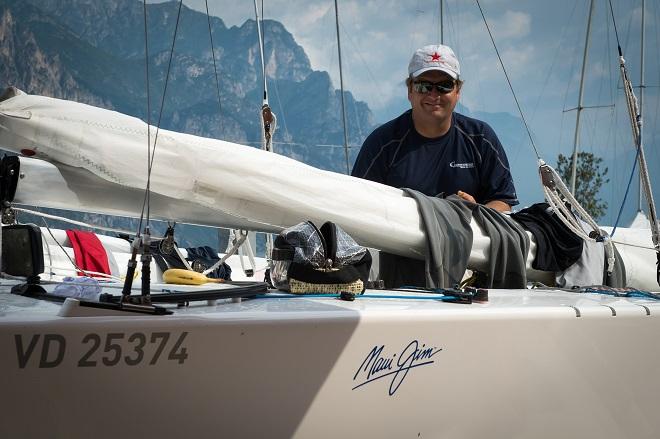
point(433, 106)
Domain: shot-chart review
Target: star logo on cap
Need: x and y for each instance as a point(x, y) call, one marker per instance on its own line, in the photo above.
point(435, 57)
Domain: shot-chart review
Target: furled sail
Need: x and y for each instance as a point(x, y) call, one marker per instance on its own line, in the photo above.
point(101, 157)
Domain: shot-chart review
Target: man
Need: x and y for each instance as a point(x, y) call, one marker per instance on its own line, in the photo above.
point(433, 150)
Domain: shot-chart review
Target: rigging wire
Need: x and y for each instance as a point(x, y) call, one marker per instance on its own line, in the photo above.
point(632, 173)
point(556, 193)
point(411, 36)
point(144, 241)
point(138, 240)
point(613, 128)
point(162, 102)
point(636, 121)
point(303, 145)
point(657, 101)
point(261, 51)
point(636, 124)
point(568, 87)
point(580, 106)
point(373, 83)
point(146, 57)
point(73, 262)
point(625, 196)
point(355, 112)
point(215, 69)
point(529, 133)
point(268, 119)
point(71, 221)
point(453, 31)
point(151, 152)
point(547, 79)
point(287, 135)
point(341, 86)
point(554, 61)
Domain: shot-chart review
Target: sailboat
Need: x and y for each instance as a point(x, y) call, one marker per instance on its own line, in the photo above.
point(542, 362)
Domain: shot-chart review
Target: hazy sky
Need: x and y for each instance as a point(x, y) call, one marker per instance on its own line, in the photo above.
point(541, 44)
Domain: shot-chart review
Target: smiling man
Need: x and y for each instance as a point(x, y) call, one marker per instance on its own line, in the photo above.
point(434, 150)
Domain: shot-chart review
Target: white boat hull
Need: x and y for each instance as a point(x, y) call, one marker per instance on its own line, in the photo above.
point(522, 365)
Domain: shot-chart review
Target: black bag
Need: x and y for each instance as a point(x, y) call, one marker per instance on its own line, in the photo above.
point(200, 258)
point(306, 259)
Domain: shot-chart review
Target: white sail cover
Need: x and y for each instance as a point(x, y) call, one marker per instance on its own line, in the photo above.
point(223, 183)
point(250, 184)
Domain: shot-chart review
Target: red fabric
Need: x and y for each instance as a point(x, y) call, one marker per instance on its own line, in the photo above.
point(89, 252)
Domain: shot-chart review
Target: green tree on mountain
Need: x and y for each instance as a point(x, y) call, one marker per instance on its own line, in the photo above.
point(590, 178)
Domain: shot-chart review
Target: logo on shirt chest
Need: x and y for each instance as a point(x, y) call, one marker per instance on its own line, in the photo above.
point(461, 165)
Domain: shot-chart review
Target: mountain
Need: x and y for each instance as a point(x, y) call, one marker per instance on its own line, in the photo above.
point(40, 55)
point(94, 52)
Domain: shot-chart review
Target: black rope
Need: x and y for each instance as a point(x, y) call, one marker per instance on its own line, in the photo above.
point(509, 82)
point(215, 69)
point(616, 32)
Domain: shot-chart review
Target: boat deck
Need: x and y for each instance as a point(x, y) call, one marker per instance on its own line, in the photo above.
point(527, 363)
point(275, 304)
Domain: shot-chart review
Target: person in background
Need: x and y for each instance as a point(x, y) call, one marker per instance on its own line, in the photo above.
point(434, 150)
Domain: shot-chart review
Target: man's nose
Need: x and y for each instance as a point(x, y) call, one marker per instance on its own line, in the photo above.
point(434, 92)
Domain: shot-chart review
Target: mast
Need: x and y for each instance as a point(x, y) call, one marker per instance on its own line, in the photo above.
point(341, 86)
point(580, 107)
point(641, 105)
point(268, 119)
point(442, 23)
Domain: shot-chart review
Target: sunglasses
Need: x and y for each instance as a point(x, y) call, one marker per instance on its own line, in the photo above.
point(442, 87)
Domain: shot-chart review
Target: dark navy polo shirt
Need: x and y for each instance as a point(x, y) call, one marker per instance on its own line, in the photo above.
point(469, 157)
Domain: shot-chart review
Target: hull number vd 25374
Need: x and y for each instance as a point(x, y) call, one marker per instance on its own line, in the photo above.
point(46, 351)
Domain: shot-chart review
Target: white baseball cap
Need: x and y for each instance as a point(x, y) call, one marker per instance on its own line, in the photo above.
point(434, 57)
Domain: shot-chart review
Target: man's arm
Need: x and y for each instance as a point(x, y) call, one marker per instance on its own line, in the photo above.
point(498, 186)
point(370, 163)
point(498, 205)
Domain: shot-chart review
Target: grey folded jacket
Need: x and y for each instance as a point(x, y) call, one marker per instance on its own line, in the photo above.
point(446, 224)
